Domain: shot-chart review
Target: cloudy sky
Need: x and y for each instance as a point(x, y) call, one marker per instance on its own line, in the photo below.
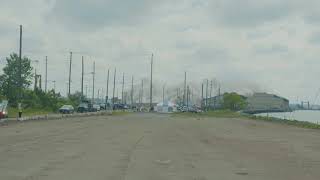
point(246, 45)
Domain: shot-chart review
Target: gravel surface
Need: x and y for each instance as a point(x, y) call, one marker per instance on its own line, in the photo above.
point(157, 147)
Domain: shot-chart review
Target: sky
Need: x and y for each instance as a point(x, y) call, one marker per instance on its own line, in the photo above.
point(244, 45)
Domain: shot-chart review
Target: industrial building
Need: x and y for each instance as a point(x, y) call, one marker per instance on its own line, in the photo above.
point(263, 102)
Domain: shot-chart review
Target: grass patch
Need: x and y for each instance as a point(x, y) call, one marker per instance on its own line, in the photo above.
point(218, 114)
point(296, 123)
point(13, 112)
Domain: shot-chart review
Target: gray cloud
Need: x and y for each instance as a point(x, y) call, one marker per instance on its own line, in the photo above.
point(315, 39)
point(95, 14)
point(209, 55)
point(249, 13)
point(272, 49)
point(312, 18)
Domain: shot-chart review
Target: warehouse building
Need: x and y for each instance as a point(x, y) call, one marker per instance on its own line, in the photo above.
point(263, 102)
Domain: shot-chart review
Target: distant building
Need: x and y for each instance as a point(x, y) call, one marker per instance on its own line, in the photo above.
point(263, 102)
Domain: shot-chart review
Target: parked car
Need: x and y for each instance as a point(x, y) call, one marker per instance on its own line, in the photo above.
point(184, 109)
point(95, 108)
point(194, 109)
point(103, 106)
point(66, 109)
point(3, 109)
point(83, 107)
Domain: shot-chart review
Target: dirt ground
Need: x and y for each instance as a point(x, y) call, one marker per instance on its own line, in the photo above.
point(157, 147)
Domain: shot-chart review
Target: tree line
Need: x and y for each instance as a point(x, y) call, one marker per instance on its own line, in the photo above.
point(17, 90)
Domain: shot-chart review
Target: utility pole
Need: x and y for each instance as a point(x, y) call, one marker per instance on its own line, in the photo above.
point(20, 64)
point(184, 88)
point(151, 108)
point(122, 95)
point(207, 85)
point(46, 80)
point(114, 85)
point(132, 92)
point(70, 65)
point(188, 96)
point(107, 93)
point(82, 74)
point(202, 96)
point(40, 82)
point(93, 78)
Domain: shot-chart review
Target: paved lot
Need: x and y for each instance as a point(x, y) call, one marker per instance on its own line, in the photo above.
point(157, 147)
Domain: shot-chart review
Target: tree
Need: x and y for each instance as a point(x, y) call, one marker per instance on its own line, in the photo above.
point(10, 80)
point(233, 101)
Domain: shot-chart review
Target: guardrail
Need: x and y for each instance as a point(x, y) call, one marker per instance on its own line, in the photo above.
point(53, 117)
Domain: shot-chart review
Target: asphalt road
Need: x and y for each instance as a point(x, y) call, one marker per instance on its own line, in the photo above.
point(157, 147)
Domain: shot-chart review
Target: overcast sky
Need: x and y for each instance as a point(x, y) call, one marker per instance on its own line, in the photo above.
point(247, 45)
